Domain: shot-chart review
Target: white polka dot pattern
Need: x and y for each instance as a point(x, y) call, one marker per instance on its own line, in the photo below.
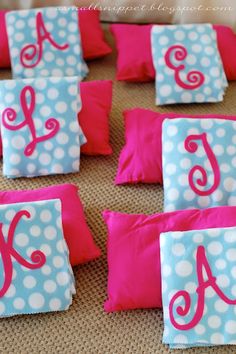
point(201, 173)
point(57, 53)
point(41, 288)
point(59, 153)
point(187, 260)
point(188, 64)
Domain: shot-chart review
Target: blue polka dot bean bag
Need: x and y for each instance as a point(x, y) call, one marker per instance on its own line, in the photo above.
point(198, 287)
point(199, 165)
point(36, 274)
point(188, 64)
point(45, 42)
point(39, 126)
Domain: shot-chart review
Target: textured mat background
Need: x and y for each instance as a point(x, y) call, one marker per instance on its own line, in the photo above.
point(85, 328)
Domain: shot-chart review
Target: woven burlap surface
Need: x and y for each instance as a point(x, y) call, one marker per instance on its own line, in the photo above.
point(86, 328)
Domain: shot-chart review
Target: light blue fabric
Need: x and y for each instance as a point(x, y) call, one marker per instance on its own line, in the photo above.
point(50, 286)
point(178, 268)
point(63, 27)
point(202, 55)
point(178, 162)
point(56, 98)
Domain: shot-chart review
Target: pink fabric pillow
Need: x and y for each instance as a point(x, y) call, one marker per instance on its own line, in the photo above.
point(134, 269)
point(134, 61)
point(77, 234)
point(92, 37)
point(226, 40)
point(135, 58)
point(4, 49)
point(0, 144)
point(140, 159)
point(96, 99)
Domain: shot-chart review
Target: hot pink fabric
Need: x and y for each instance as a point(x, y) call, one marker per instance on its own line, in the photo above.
point(226, 40)
point(135, 63)
point(4, 49)
point(134, 269)
point(77, 234)
point(96, 99)
point(141, 157)
point(0, 145)
point(92, 37)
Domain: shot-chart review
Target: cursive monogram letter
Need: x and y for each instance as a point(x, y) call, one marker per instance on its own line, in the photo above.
point(32, 51)
point(8, 252)
point(9, 115)
point(191, 147)
point(201, 264)
point(195, 78)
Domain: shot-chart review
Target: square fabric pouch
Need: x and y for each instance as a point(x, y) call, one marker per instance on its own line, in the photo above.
point(35, 272)
point(94, 116)
point(77, 234)
point(135, 63)
point(45, 42)
point(143, 127)
point(199, 165)
point(40, 131)
point(198, 287)
point(188, 64)
point(133, 251)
